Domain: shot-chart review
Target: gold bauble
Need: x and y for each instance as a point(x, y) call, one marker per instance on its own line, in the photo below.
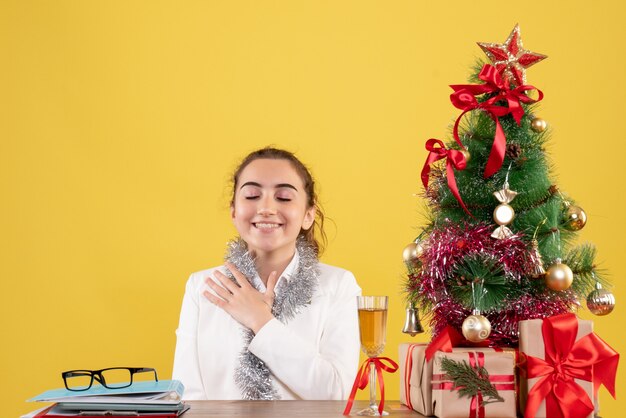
point(600, 302)
point(467, 155)
point(503, 214)
point(576, 218)
point(476, 328)
point(559, 276)
point(538, 125)
point(412, 252)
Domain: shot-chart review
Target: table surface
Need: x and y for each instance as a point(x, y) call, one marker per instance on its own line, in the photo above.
point(310, 409)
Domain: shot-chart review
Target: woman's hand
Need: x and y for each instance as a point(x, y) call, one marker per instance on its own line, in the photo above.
point(244, 303)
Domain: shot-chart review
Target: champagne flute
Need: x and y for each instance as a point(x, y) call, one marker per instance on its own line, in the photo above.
point(373, 330)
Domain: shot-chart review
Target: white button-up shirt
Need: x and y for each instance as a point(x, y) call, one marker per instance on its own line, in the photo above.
point(313, 356)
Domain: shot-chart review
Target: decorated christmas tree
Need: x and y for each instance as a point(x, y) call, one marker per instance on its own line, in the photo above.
point(500, 244)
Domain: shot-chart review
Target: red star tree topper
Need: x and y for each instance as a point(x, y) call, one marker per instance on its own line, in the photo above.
point(510, 58)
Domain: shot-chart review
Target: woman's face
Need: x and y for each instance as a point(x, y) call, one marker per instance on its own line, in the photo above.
point(270, 207)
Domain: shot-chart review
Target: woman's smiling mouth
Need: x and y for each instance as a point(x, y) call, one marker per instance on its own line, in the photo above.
point(265, 225)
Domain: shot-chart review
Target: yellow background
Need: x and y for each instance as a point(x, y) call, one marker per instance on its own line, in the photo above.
point(121, 121)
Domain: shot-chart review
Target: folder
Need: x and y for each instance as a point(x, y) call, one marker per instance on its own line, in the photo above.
point(171, 390)
point(55, 411)
point(141, 397)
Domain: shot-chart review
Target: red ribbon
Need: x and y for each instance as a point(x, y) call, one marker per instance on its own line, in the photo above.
point(362, 379)
point(408, 369)
point(464, 98)
point(477, 408)
point(566, 359)
point(454, 160)
point(497, 386)
point(449, 338)
point(444, 341)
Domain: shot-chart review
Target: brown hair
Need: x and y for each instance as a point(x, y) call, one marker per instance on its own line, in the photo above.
point(271, 153)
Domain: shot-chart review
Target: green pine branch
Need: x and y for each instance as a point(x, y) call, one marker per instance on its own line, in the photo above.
point(581, 260)
point(479, 282)
point(470, 381)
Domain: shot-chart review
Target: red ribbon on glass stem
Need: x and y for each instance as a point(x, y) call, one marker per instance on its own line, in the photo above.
point(566, 359)
point(454, 160)
point(464, 98)
point(362, 379)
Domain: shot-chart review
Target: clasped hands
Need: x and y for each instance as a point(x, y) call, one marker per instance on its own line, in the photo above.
point(241, 300)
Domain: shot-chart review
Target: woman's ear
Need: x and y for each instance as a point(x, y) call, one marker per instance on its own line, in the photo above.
point(309, 218)
point(232, 212)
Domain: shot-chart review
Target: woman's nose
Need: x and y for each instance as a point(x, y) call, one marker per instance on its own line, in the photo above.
point(266, 207)
point(266, 211)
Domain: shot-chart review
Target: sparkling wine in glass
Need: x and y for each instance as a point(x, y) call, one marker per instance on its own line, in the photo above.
point(373, 331)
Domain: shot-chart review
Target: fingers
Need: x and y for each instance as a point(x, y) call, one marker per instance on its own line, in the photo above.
point(221, 291)
point(245, 304)
point(214, 299)
point(228, 288)
point(241, 279)
point(226, 281)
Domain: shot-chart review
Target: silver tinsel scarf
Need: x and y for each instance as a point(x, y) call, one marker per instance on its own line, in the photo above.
point(252, 375)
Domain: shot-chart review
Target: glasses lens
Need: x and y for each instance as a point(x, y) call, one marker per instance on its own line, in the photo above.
point(116, 378)
point(78, 380)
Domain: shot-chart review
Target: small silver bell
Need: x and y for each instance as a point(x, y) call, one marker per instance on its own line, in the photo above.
point(412, 324)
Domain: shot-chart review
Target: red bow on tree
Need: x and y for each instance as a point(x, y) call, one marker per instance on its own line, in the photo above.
point(464, 98)
point(566, 359)
point(454, 160)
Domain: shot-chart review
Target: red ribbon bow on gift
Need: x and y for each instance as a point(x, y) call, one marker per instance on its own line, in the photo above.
point(362, 379)
point(589, 358)
point(454, 160)
point(464, 98)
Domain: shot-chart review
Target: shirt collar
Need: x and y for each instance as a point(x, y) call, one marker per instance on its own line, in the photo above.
point(291, 267)
point(287, 274)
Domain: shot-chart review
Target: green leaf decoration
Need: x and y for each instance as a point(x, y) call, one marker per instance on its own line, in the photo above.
point(469, 381)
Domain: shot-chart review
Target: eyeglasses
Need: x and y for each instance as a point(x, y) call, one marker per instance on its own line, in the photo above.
point(111, 378)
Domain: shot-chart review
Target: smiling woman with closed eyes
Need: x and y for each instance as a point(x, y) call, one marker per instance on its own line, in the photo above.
point(272, 322)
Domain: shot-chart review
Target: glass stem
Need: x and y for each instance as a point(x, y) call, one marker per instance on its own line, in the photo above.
point(373, 404)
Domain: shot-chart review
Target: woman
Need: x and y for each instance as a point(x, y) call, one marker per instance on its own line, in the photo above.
point(272, 322)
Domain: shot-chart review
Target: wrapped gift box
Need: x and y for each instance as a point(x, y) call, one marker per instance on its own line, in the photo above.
point(447, 403)
point(532, 344)
point(571, 340)
point(416, 374)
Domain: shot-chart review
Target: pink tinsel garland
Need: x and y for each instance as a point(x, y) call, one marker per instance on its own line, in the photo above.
point(448, 245)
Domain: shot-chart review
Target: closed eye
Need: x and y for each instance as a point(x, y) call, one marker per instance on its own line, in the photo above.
point(252, 197)
point(283, 199)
